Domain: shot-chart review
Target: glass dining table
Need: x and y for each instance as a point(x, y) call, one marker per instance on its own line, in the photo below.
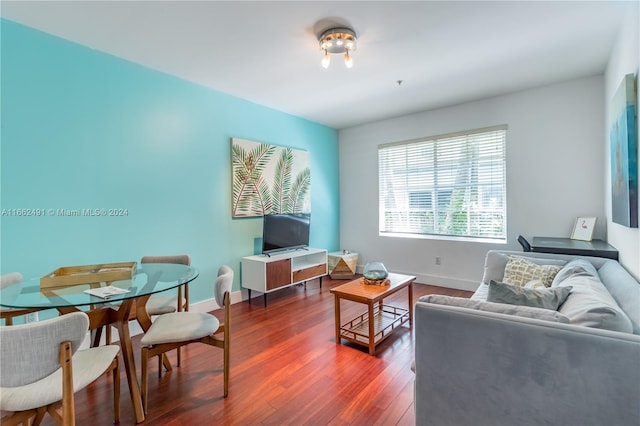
point(116, 309)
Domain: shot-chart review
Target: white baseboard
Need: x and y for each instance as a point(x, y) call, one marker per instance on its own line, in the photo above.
point(447, 282)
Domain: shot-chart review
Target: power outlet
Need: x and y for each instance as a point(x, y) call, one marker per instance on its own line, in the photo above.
point(438, 260)
point(32, 317)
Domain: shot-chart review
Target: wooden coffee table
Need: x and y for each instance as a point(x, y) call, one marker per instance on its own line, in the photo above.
point(375, 325)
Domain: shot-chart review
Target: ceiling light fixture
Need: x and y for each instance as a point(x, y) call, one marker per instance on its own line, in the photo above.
point(337, 41)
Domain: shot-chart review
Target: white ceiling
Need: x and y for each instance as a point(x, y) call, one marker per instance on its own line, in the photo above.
point(445, 52)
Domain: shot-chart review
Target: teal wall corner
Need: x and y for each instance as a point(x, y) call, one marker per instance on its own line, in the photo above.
point(84, 130)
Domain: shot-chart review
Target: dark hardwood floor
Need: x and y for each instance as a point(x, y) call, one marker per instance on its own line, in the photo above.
point(285, 369)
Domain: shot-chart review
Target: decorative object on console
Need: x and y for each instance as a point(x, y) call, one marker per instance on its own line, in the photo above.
point(342, 265)
point(337, 41)
point(269, 179)
point(375, 273)
point(624, 154)
point(583, 228)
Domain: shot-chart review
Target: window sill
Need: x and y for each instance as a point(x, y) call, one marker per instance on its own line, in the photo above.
point(443, 238)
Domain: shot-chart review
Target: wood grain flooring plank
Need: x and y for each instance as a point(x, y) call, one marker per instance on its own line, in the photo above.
point(286, 369)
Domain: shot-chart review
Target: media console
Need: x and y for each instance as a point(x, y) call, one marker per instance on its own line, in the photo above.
point(268, 273)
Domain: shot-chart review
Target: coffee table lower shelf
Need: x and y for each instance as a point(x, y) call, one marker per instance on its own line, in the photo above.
point(386, 318)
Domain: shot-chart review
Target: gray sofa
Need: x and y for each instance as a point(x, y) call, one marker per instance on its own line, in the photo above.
point(480, 363)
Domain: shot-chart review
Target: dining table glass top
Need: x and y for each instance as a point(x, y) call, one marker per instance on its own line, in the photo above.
point(149, 278)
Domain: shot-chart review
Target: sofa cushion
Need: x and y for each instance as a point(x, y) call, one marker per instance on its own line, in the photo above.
point(519, 271)
point(624, 289)
point(589, 304)
point(546, 298)
point(495, 262)
point(482, 291)
point(500, 308)
point(575, 268)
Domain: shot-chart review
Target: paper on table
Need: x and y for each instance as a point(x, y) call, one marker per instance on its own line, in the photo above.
point(106, 292)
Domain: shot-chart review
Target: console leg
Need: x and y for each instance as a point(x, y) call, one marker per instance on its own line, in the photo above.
point(249, 299)
point(265, 300)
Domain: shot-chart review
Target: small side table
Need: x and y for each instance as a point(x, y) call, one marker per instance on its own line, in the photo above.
point(342, 266)
point(379, 321)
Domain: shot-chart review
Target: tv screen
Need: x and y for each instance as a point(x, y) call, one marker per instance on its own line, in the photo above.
point(285, 232)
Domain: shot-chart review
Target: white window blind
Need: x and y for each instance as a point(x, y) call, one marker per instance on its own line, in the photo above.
point(447, 185)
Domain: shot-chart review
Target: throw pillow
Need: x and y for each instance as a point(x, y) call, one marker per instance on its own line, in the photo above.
point(495, 262)
point(499, 308)
point(546, 298)
point(535, 284)
point(519, 271)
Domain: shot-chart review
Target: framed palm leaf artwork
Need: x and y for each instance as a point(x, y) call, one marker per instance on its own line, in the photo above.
point(269, 179)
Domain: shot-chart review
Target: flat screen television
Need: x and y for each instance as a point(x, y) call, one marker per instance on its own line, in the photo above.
point(285, 232)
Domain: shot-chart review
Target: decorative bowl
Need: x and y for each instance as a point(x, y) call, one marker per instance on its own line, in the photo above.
point(375, 271)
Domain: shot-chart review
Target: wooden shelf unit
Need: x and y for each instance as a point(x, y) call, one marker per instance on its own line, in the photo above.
point(266, 274)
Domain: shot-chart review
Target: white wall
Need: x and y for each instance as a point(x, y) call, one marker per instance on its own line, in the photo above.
point(555, 172)
point(623, 60)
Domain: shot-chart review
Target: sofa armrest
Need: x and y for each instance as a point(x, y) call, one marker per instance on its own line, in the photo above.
point(475, 367)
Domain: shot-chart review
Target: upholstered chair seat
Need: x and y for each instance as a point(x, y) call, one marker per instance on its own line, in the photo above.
point(180, 326)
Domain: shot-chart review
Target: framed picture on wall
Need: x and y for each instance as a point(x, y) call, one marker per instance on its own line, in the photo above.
point(268, 179)
point(624, 154)
point(583, 228)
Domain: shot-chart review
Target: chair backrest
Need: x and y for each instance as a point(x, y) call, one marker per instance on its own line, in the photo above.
point(160, 273)
point(10, 279)
point(524, 243)
point(223, 283)
point(31, 352)
point(182, 259)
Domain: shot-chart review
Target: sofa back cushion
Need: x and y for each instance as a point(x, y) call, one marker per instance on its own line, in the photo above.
point(590, 304)
point(624, 289)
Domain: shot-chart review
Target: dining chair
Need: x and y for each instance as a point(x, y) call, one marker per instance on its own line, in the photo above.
point(159, 304)
point(176, 329)
point(8, 314)
point(526, 247)
point(42, 367)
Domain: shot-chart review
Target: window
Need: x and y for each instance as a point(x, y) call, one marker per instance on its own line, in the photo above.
point(450, 185)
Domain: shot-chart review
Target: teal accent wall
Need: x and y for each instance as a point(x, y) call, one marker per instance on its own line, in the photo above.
point(82, 129)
